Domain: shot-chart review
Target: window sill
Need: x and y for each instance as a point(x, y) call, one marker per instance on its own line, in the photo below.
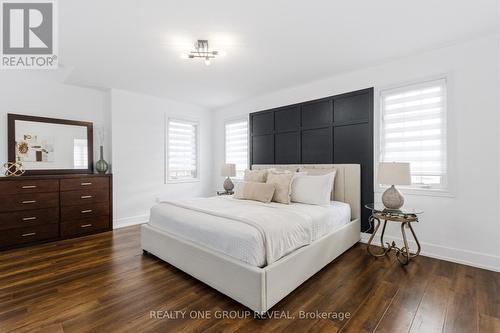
point(421, 192)
point(181, 181)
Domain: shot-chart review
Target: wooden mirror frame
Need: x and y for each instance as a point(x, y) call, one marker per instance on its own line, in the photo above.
point(11, 142)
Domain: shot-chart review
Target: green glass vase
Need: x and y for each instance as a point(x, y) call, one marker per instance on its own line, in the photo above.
point(101, 166)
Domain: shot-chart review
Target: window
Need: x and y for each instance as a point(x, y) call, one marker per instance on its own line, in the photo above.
point(182, 150)
point(413, 130)
point(80, 154)
point(237, 145)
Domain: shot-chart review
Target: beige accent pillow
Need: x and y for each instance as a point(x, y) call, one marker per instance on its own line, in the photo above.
point(283, 184)
point(262, 192)
point(258, 176)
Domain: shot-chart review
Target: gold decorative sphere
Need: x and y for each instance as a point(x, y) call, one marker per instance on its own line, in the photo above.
point(13, 169)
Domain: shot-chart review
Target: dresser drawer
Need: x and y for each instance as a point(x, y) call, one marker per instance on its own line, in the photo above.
point(28, 186)
point(85, 226)
point(84, 197)
point(70, 213)
point(28, 234)
point(16, 202)
point(28, 218)
point(90, 183)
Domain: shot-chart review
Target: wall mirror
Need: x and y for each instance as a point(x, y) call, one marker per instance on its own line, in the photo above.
point(50, 146)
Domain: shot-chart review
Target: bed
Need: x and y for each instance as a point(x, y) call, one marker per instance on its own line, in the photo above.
point(220, 242)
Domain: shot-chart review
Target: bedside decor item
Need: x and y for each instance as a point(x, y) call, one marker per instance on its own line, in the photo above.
point(405, 216)
point(393, 173)
point(13, 169)
point(228, 170)
point(101, 166)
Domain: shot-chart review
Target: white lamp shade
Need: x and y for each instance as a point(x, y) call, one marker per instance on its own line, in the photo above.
point(392, 173)
point(228, 170)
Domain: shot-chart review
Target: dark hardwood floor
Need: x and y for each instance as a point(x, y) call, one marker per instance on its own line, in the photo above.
point(103, 283)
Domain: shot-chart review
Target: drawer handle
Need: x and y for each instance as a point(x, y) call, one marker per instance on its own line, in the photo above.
point(29, 218)
point(86, 225)
point(86, 211)
point(28, 186)
point(25, 202)
point(29, 234)
point(86, 197)
point(85, 184)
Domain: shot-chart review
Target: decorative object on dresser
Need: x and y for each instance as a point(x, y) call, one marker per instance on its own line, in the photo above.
point(406, 217)
point(228, 170)
point(393, 173)
point(13, 169)
point(52, 207)
point(50, 146)
point(101, 166)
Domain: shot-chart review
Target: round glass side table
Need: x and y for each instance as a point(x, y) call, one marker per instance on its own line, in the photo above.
point(406, 216)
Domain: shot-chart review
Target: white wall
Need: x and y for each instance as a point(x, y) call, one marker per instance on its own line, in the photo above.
point(40, 94)
point(466, 226)
point(138, 154)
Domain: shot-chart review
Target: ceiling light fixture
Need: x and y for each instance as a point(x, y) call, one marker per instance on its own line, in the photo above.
point(202, 50)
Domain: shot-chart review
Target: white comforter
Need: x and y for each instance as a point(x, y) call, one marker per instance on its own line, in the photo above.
point(282, 231)
point(253, 232)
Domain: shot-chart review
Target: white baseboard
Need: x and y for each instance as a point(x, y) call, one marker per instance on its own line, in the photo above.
point(465, 257)
point(129, 221)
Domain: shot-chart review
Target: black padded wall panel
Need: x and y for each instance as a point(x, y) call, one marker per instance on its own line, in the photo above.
point(263, 149)
point(263, 123)
point(317, 146)
point(352, 108)
point(317, 114)
point(287, 148)
point(336, 129)
point(287, 119)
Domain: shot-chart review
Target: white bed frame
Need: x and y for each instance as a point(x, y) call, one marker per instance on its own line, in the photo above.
point(261, 288)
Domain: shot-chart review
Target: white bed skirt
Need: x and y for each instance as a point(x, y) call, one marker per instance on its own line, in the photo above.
point(257, 288)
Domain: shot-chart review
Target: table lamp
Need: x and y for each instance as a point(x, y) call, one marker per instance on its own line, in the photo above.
point(228, 170)
point(392, 173)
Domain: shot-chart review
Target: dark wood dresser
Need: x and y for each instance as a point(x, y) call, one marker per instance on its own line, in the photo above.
point(37, 209)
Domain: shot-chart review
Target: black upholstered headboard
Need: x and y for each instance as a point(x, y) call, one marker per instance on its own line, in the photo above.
point(336, 129)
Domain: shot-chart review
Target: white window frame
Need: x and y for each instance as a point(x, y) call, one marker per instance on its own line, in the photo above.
point(190, 180)
point(443, 191)
point(235, 120)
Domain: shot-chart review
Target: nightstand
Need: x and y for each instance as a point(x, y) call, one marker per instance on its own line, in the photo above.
point(225, 193)
point(405, 216)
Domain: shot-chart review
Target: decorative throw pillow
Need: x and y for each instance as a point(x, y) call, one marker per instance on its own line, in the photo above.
point(311, 171)
point(283, 183)
point(258, 176)
point(262, 192)
point(280, 170)
point(313, 190)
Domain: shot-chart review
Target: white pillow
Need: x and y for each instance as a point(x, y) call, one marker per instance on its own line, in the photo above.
point(313, 190)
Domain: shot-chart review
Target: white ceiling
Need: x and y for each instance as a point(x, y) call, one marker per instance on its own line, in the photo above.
point(271, 45)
